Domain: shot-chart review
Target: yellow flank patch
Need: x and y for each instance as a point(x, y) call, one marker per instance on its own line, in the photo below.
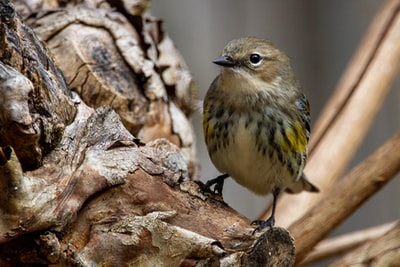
point(206, 127)
point(295, 139)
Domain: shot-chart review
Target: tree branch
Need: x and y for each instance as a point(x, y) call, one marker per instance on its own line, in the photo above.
point(381, 251)
point(337, 245)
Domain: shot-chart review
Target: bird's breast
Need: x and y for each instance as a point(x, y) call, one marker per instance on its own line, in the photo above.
point(251, 162)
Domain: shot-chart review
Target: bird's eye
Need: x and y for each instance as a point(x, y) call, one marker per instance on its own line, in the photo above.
point(255, 59)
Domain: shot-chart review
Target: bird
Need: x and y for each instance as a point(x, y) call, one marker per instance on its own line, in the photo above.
point(256, 122)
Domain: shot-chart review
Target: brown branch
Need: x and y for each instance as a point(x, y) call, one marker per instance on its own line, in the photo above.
point(337, 245)
point(344, 197)
point(381, 251)
point(349, 114)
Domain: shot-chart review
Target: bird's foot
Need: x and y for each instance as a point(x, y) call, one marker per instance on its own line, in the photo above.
point(218, 184)
point(261, 224)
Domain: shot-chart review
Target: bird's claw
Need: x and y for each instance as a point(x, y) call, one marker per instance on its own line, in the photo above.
point(218, 184)
point(261, 224)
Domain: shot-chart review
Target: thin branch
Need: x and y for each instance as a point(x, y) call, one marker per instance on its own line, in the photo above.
point(336, 245)
point(381, 251)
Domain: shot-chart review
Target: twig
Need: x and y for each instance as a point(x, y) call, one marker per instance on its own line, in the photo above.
point(339, 244)
point(381, 251)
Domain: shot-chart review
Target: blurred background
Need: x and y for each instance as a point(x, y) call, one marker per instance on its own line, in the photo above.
point(320, 37)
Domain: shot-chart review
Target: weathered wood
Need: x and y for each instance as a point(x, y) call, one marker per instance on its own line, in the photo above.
point(113, 195)
point(135, 70)
point(28, 73)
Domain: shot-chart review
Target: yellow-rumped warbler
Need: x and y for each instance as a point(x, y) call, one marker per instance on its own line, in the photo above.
point(257, 121)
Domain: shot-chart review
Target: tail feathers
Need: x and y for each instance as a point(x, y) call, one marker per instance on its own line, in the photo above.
point(302, 184)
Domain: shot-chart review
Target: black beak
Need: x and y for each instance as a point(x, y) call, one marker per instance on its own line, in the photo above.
point(224, 61)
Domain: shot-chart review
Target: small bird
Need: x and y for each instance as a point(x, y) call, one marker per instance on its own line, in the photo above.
point(256, 122)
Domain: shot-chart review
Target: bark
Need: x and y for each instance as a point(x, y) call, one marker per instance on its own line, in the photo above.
point(101, 175)
point(36, 102)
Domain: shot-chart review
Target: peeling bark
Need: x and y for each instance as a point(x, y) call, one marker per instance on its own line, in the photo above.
point(36, 104)
point(114, 194)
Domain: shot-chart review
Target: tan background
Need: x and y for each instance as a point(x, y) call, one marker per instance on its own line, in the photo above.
point(319, 36)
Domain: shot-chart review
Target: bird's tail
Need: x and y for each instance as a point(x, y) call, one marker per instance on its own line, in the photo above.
point(302, 184)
